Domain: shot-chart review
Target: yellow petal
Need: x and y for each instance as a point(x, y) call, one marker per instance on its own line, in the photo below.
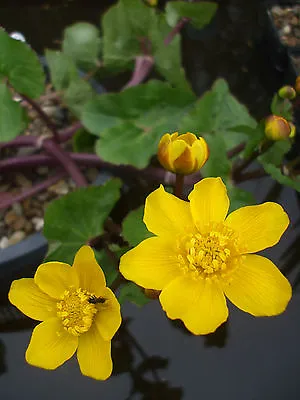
point(91, 276)
point(165, 214)
point(50, 345)
point(54, 278)
point(200, 304)
point(258, 227)
point(94, 355)
point(108, 319)
point(209, 202)
point(258, 287)
point(152, 264)
point(28, 298)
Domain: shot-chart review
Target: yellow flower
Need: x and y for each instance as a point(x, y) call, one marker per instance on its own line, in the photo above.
point(78, 312)
point(183, 154)
point(199, 256)
point(277, 128)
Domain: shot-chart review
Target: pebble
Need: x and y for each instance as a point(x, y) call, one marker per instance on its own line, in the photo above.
point(4, 242)
point(38, 223)
point(16, 237)
point(19, 224)
point(10, 217)
point(286, 30)
point(17, 208)
point(42, 170)
point(22, 181)
point(61, 188)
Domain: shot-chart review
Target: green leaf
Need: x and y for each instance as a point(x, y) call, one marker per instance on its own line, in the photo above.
point(77, 95)
point(62, 69)
point(218, 112)
point(124, 27)
point(239, 197)
point(276, 174)
point(133, 293)
point(134, 229)
point(129, 27)
point(217, 164)
point(20, 64)
point(168, 58)
point(276, 153)
point(77, 217)
point(83, 142)
point(282, 107)
point(200, 14)
point(11, 115)
point(110, 270)
point(132, 122)
point(82, 44)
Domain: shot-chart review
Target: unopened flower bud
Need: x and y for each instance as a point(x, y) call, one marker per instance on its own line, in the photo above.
point(293, 130)
point(297, 85)
point(287, 92)
point(277, 128)
point(182, 154)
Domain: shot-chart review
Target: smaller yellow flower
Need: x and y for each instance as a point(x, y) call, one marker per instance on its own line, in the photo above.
point(182, 154)
point(78, 312)
point(287, 92)
point(152, 3)
point(277, 128)
point(293, 130)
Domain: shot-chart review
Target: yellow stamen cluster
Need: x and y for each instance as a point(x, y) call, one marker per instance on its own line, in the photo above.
point(208, 255)
point(76, 312)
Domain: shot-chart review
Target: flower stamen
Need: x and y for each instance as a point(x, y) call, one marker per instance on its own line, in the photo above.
point(208, 255)
point(75, 311)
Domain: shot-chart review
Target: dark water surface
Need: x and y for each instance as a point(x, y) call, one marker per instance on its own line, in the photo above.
point(247, 358)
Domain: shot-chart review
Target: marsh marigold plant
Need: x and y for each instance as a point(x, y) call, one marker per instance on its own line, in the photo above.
point(78, 311)
point(200, 255)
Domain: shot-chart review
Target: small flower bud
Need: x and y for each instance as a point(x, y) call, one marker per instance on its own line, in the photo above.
point(182, 154)
point(287, 92)
point(297, 85)
point(277, 128)
point(293, 130)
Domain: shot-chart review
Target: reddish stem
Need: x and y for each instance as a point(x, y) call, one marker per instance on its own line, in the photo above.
point(33, 190)
point(69, 132)
point(236, 150)
point(177, 28)
point(50, 124)
point(143, 65)
point(66, 161)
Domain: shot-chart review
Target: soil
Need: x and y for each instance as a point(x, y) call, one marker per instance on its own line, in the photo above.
point(26, 217)
point(287, 22)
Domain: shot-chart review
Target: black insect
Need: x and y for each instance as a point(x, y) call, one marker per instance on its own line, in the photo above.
point(96, 300)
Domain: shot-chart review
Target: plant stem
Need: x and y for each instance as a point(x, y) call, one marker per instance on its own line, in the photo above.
point(143, 65)
point(49, 123)
point(68, 133)
point(236, 150)
point(31, 141)
point(177, 28)
point(34, 189)
point(179, 183)
point(246, 176)
point(66, 161)
point(237, 170)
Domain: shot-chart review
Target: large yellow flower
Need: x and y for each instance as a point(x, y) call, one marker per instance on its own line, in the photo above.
point(199, 256)
point(78, 312)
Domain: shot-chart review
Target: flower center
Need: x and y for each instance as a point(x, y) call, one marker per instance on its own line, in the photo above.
point(75, 311)
point(208, 255)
